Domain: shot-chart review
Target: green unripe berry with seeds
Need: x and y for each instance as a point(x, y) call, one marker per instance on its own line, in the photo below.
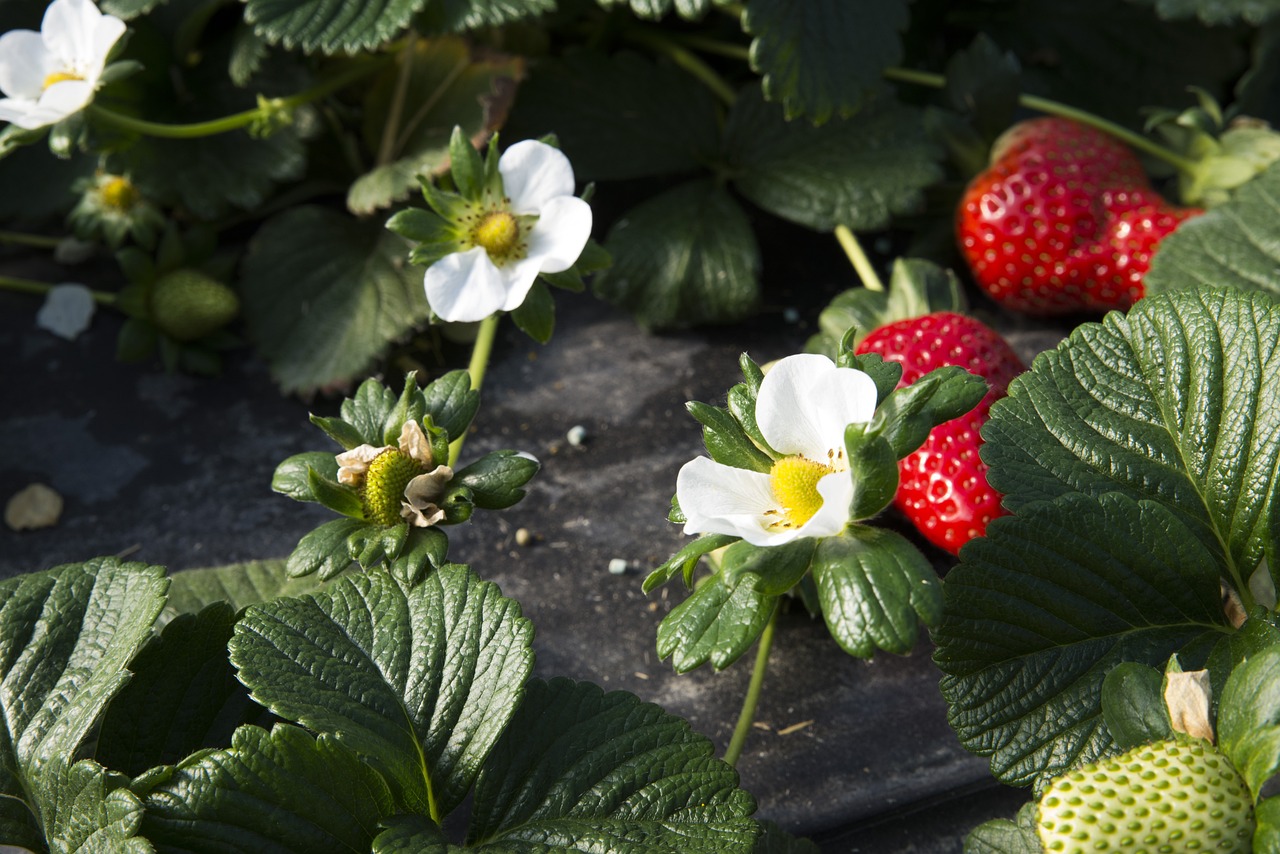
point(187, 304)
point(1170, 797)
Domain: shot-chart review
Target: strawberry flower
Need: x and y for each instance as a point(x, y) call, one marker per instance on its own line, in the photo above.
point(537, 226)
point(397, 483)
point(802, 409)
point(50, 75)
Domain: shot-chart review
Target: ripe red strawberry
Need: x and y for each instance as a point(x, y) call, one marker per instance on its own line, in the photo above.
point(1063, 220)
point(943, 486)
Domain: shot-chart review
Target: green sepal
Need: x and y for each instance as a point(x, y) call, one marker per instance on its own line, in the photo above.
point(449, 206)
point(873, 465)
point(437, 438)
point(742, 403)
point(457, 504)
point(335, 496)
point(339, 431)
point(424, 550)
point(726, 441)
point(1249, 718)
point(717, 623)
point(137, 340)
point(1267, 835)
point(906, 417)
point(497, 479)
point(686, 560)
point(492, 176)
point(372, 544)
point(410, 406)
point(875, 588)
point(776, 569)
point(465, 165)
point(323, 550)
point(1258, 632)
point(137, 267)
point(292, 477)
point(886, 375)
point(676, 515)
point(1002, 836)
point(421, 226)
point(1133, 705)
point(452, 402)
point(536, 316)
point(13, 137)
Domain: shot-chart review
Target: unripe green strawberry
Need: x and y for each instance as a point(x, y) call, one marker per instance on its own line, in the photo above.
point(187, 304)
point(1172, 796)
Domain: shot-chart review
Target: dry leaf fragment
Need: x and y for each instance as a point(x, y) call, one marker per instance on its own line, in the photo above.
point(37, 506)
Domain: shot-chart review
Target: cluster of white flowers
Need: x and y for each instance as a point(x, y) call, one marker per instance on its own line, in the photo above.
point(802, 408)
point(50, 75)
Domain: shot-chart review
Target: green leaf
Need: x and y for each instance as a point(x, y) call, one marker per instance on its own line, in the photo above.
point(684, 257)
point(38, 186)
point(452, 402)
point(725, 439)
point(68, 636)
point(985, 82)
point(447, 88)
point(908, 414)
point(420, 684)
point(496, 480)
point(184, 696)
point(858, 172)
point(1249, 718)
point(684, 561)
point(239, 584)
point(412, 834)
point(776, 569)
point(536, 316)
point(127, 9)
point(369, 414)
point(1133, 705)
point(1235, 245)
point(1042, 608)
point(293, 476)
point(276, 792)
point(1002, 836)
point(337, 497)
point(589, 771)
point(619, 117)
point(822, 58)
point(875, 589)
point(1179, 402)
point(1215, 12)
point(1267, 835)
point(330, 26)
point(90, 810)
point(775, 840)
point(462, 15)
point(348, 294)
point(424, 550)
point(324, 550)
point(690, 10)
point(717, 623)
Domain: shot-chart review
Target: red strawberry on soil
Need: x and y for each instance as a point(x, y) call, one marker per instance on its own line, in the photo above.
point(943, 486)
point(1063, 220)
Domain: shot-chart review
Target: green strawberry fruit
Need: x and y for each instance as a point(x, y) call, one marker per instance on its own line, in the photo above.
point(187, 304)
point(1171, 796)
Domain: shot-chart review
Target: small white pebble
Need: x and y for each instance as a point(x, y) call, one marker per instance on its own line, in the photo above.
point(617, 566)
point(791, 315)
point(523, 537)
point(37, 506)
point(576, 435)
point(67, 310)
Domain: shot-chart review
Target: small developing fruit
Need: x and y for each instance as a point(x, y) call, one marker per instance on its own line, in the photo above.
point(942, 487)
point(1175, 796)
point(187, 304)
point(1063, 220)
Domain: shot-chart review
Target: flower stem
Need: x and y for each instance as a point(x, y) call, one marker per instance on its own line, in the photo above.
point(752, 699)
point(713, 46)
point(387, 147)
point(861, 263)
point(30, 286)
point(39, 241)
point(236, 121)
point(480, 352)
point(1057, 108)
point(660, 43)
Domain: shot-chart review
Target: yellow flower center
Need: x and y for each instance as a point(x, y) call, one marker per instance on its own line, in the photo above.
point(384, 484)
point(794, 481)
point(118, 193)
point(60, 77)
point(498, 232)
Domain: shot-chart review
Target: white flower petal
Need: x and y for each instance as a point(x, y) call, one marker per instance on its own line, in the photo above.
point(24, 64)
point(24, 114)
point(422, 493)
point(105, 35)
point(466, 286)
point(534, 173)
point(354, 463)
point(519, 278)
point(832, 517)
point(413, 443)
point(67, 30)
point(66, 98)
point(805, 401)
point(561, 231)
point(720, 499)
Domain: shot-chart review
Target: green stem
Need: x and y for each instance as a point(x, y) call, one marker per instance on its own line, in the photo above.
point(713, 46)
point(748, 714)
point(1057, 108)
point(480, 352)
point(236, 120)
point(387, 147)
point(39, 241)
point(861, 263)
point(659, 43)
point(30, 286)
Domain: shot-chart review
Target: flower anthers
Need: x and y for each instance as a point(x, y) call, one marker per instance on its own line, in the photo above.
point(50, 75)
point(802, 409)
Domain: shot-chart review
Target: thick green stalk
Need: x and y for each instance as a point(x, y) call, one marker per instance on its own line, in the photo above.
point(1066, 111)
point(480, 352)
point(39, 241)
point(30, 286)
point(752, 699)
point(858, 258)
